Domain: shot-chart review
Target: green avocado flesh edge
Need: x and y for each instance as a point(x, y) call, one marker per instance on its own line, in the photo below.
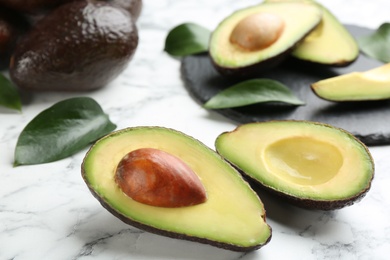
point(296, 26)
point(302, 159)
point(373, 84)
point(233, 214)
point(329, 43)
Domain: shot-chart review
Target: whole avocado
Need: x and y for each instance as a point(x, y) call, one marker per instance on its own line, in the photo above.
point(79, 46)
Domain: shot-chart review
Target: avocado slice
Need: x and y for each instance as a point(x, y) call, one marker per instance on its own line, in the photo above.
point(369, 85)
point(259, 37)
point(329, 43)
point(309, 164)
point(232, 217)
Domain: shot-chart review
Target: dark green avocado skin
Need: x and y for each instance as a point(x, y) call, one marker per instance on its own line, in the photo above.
point(78, 46)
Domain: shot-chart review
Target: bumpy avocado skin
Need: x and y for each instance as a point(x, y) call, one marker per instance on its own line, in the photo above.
point(290, 197)
point(79, 46)
point(104, 200)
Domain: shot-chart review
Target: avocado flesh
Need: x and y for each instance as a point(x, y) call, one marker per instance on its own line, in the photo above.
point(329, 44)
point(373, 84)
point(312, 165)
point(233, 217)
point(231, 58)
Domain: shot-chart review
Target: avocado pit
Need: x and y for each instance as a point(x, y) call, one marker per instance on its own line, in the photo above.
point(257, 31)
point(157, 178)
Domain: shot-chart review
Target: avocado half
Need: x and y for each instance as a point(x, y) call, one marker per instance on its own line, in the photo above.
point(232, 217)
point(369, 85)
point(235, 59)
point(309, 164)
point(330, 43)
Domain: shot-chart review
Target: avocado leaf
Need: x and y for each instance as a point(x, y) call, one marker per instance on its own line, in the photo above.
point(61, 130)
point(251, 92)
point(9, 96)
point(377, 44)
point(187, 39)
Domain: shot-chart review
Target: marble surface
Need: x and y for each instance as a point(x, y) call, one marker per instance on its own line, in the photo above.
point(47, 212)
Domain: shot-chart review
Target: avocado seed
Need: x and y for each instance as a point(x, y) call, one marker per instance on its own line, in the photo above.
point(257, 31)
point(157, 178)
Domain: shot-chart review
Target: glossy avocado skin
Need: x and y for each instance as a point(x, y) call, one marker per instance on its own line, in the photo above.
point(79, 46)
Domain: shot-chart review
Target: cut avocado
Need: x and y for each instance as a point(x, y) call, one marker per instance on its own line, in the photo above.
point(373, 84)
point(329, 44)
point(260, 37)
point(232, 217)
point(311, 165)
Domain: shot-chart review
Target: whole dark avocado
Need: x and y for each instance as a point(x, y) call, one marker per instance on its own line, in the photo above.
point(79, 46)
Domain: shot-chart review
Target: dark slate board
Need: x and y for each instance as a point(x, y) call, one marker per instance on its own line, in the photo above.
point(369, 121)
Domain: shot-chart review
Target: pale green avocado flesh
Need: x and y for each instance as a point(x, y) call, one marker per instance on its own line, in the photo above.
point(369, 85)
point(233, 217)
point(226, 54)
point(303, 160)
point(329, 44)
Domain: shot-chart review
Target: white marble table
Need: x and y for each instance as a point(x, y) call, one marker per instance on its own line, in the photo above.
point(47, 212)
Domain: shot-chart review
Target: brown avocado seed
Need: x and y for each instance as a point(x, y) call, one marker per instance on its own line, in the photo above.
point(257, 31)
point(157, 178)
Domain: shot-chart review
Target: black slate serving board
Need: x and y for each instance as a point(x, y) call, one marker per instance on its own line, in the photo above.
point(369, 121)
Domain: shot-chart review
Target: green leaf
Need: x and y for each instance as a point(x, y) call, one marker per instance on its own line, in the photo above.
point(9, 96)
point(187, 39)
point(61, 130)
point(377, 44)
point(251, 92)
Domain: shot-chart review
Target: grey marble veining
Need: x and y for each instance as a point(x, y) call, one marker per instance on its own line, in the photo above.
point(47, 212)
